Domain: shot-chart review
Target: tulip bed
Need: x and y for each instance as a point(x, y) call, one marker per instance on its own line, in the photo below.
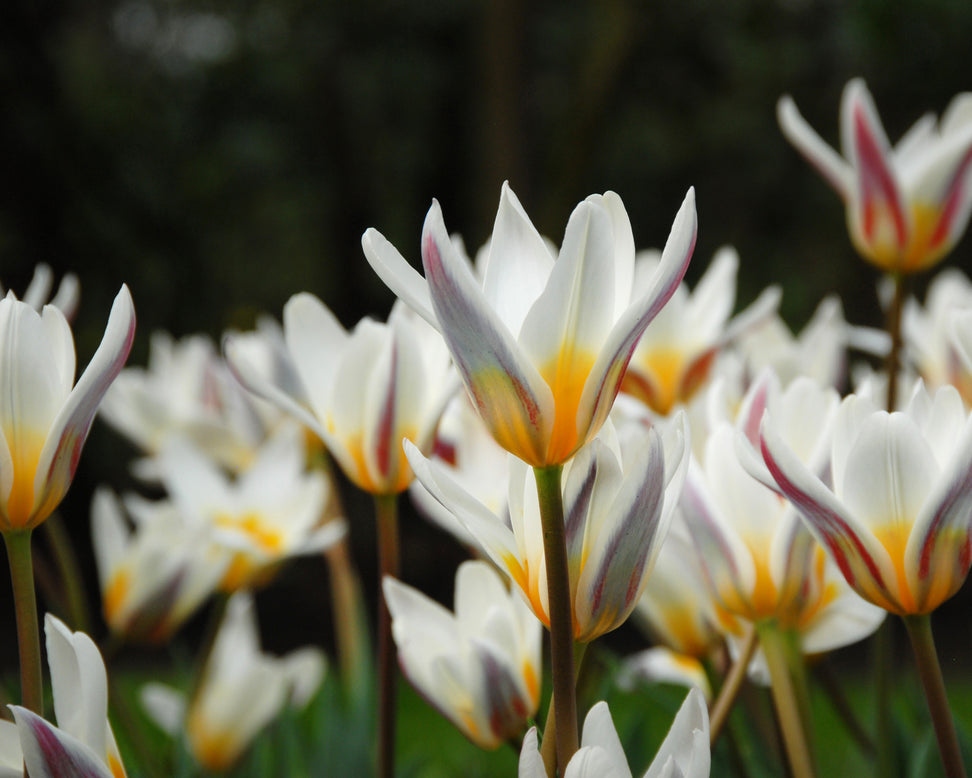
point(608, 448)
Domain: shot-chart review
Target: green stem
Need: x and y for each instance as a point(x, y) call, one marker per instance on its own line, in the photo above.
point(785, 699)
point(72, 583)
point(349, 620)
point(892, 363)
point(558, 604)
point(25, 605)
point(731, 686)
point(548, 751)
point(930, 672)
point(386, 514)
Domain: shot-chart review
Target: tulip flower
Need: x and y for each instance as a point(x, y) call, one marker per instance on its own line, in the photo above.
point(360, 392)
point(674, 357)
point(44, 416)
point(542, 342)
point(897, 519)
point(241, 690)
point(760, 561)
point(932, 340)
point(617, 503)
point(677, 608)
point(186, 390)
point(683, 754)
point(269, 512)
point(480, 667)
point(906, 206)
point(82, 742)
point(154, 577)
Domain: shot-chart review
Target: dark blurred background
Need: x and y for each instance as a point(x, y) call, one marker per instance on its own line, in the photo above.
point(221, 156)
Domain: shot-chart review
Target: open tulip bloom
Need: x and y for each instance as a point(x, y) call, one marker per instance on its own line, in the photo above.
point(541, 342)
point(480, 667)
point(361, 392)
point(898, 518)
point(44, 416)
point(906, 206)
point(759, 559)
point(241, 691)
point(155, 576)
point(82, 744)
point(617, 506)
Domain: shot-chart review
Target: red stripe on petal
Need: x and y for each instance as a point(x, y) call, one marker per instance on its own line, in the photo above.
point(876, 182)
point(837, 536)
point(951, 202)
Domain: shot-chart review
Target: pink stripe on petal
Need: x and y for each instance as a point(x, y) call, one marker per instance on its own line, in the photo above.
point(503, 386)
point(876, 181)
point(828, 526)
point(608, 371)
point(51, 753)
point(951, 202)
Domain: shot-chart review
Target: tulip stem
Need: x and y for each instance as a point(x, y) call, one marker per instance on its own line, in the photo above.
point(930, 672)
point(386, 513)
point(785, 699)
point(729, 691)
point(548, 751)
point(350, 624)
point(893, 360)
point(25, 605)
point(559, 609)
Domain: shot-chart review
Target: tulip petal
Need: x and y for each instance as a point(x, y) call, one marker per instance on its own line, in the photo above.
point(878, 192)
point(608, 371)
point(531, 763)
point(493, 536)
point(51, 753)
point(862, 560)
point(79, 678)
point(939, 549)
point(510, 395)
point(253, 379)
point(599, 732)
point(403, 279)
point(817, 152)
point(62, 449)
point(518, 264)
point(686, 746)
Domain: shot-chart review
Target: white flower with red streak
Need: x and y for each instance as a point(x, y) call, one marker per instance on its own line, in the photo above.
point(542, 342)
point(44, 416)
point(618, 502)
point(897, 519)
point(907, 206)
point(362, 392)
point(480, 666)
point(82, 744)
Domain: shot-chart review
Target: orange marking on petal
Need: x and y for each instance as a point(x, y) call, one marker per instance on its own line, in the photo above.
point(532, 683)
point(663, 368)
point(894, 538)
point(25, 452)
point(566, 377)
point(116, 593)
point(116, 767)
